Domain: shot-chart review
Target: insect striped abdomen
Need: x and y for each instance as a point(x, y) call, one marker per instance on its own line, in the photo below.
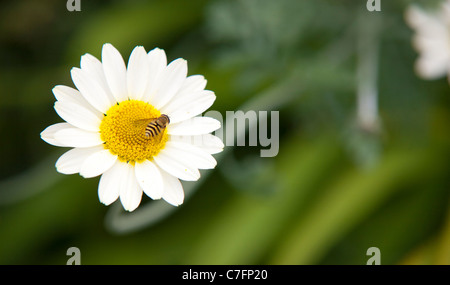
point(156, 126)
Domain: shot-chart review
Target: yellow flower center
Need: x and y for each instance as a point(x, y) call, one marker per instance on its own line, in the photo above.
point(123, 131)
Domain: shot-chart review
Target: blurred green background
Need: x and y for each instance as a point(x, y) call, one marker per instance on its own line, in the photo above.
point(336, 188)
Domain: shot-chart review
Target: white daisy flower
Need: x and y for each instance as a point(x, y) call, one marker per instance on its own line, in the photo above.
point(113, 128)
point(431, 39)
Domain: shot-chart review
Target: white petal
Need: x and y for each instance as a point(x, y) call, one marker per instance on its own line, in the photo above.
point(157, 62)
point(176, 164)
point(68, 94)
point(445, 12)
point(429, 24)
point(434, 46)
point(207, 142)
point(193, 84)
point(115, 72)
point(48, 135)
point(193, 126)
point(70, 162)
point(63, 93)
point(431, 68)
point(97, 163)
point(211, 144)
point(192, 154)
point(171, 81)
point(130, 191)
point(91, 90)
point(76, 115)
point(149, 178)
point(109, 185)
point(416, 17)
point(92, 66)
point(173, 190)
point(137, 73)
point(75, 137)
point(189, 105)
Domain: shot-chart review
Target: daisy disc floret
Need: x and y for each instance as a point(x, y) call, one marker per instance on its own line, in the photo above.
point(111, 113)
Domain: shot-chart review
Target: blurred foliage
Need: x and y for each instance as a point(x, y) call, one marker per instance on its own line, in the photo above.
point(334, 189)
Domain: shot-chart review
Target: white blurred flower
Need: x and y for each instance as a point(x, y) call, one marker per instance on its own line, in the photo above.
point(431, 39)
point(107, 116)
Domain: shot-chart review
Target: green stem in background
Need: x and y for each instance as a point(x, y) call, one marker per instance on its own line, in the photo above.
point(29, 183)
point(367, 72)
point(363, 138)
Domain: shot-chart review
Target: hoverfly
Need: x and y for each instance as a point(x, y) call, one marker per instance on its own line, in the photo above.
point(156, 126)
